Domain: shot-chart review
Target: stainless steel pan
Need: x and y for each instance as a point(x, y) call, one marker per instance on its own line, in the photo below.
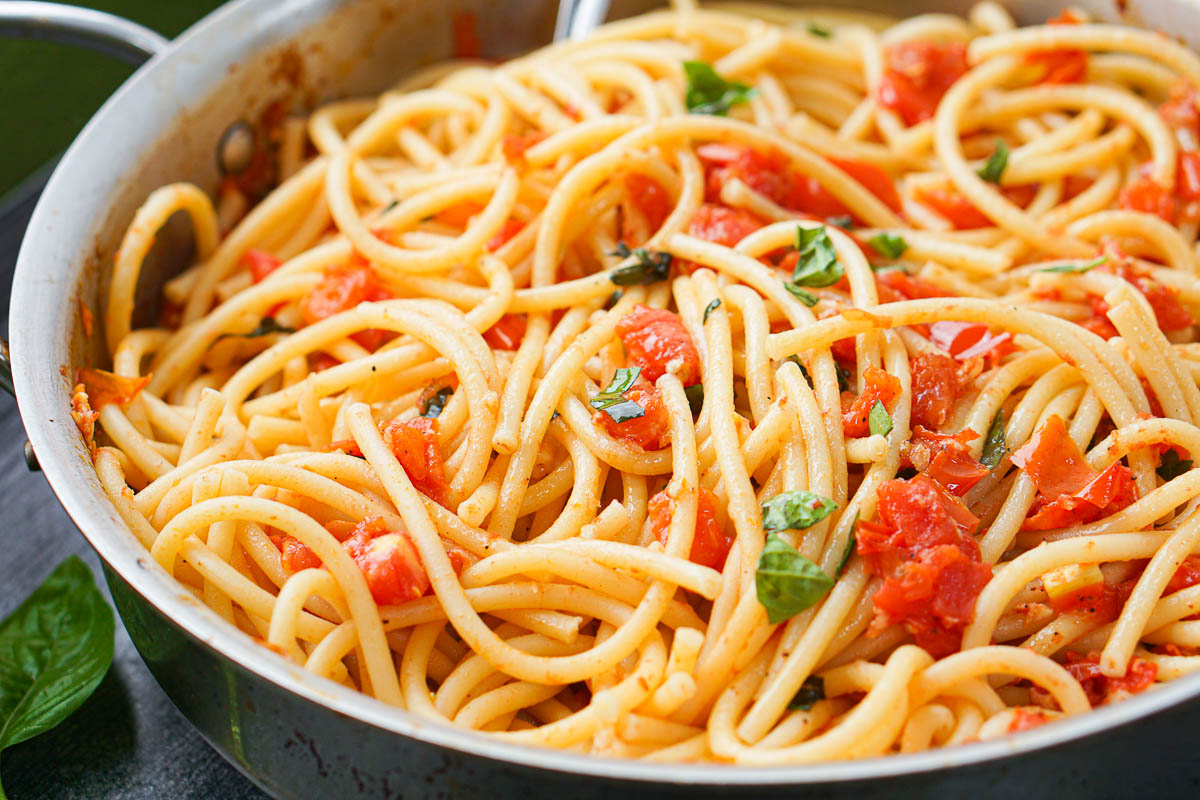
point(300, 736)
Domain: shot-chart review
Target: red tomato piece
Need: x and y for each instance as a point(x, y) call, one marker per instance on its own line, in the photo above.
point(508, 230)
point(723, 225)
point(1053, 461)
point(260, 263)
point(1025, 718)
point(507, 333)
point(389, 561)
point(711, 544)
point(458, 215)
point(1169, 312)
point(916, 75)
point(895, 285)
point(417, 447)
point(343, 289)
point(650, 198)
point(945, 458)
point(874, 179)
point(967, 340)
point(1065, 65)
point(297, 556)
point(656, 340)
point(1101, 689)
point(879, 387)
point(104, 387)
point(956, 209)
point(1145, 195)
point(1181, 110)
point(1187, 575)
point(1187, 186)
point(651, 431)
point(515, 145)
point(1087, 597)
point(937, 383)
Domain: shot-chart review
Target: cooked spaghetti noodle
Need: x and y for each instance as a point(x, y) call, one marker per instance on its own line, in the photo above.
point(735, 385)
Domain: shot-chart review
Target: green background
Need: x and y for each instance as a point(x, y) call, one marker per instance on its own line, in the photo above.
point(48, 91)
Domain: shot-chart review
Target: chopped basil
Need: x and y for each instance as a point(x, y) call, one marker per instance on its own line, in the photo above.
point(817, 30)
point(808, 298)
point(1172, 466)
point(390, 206)
point(811, 691)
point(650, 267)
point(1076, 269)
point(711, 307)
point(849, 551)
point(843, 376)
point(613, 299)
point(888, 245)
point(266, 326)
point(997, 161)
point(709, 93)
point(433, 405)
point(787, 582)
point(843, 221)
point(879, 421)
point(818, 265)
point(695, 397)
point(612, 400)
point(795, 510)
point(994, 447)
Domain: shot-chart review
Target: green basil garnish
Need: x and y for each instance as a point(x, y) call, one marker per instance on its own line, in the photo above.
point(795, 510)
point(612, 400)
point(786, 582)
point(817, 30)
point(711, 307)
point(433, 405)
point(1076, 269)
point(818, 265)
point(843, 221)
point(811, 691)
point(808, 298)
point(266, 326)
point(709, 93)
point(1172, 466)
point(879, 421)
point(612, 299)
point(888, 245)
point(843, 376)
point(994, 446)
point(849, 551)
point(650, 267)
point(997, 161)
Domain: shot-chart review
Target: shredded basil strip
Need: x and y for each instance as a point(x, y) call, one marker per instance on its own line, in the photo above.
point(808, 298)
point(795, 510)
point(695, 397)
point(1172, 466)
point(612, 400)
point(1076, 269)
point(711, 307)
point(994, 446)
point(849, 551)
point(613, 299)
point(997, 161)
point(818, 265)
point(266, 326)
point(888, 245)
point(879, 421)
point(433, 405)
point(811, 691)
point(786, 581)
point(709, 93)
point(843, 221)
point(650, 267)
point(843, 376)
point(817, 30)
point(390, 206)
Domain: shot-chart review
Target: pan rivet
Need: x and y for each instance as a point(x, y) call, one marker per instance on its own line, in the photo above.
point(235, 149)
point(31, 458)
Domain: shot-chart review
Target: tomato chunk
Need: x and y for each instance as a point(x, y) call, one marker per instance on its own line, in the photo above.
point(649, 197)
point(723, 225)
point(711, 544)
point(945, 458)
point(937, 383)
point(879, 386)
point(1181, 110)
point(515, 145)
point(956, 209)
point(1169, 311)
point(297, 556)
point(1146, 195)
point(342, 289)
point(1025, 718)
point(507, 333)
point(260, 263)
point(104, 387)
point(657, 341)
point(967, 340)
point(389, 561)
point(1187, 575)
point(508, 230)
point(916, 75)
point(417, 448)
point(1101, 689)
point(651, 431)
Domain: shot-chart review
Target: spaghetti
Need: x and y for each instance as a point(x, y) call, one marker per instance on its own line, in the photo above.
point(735, 385)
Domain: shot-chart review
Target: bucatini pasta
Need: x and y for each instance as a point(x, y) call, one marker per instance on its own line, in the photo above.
point(734, 385)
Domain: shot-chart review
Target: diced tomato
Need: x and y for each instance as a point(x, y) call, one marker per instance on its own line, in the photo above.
point(467, 43)
point(416, 446)
point(875, 180)
point(916, 75)
point(945, 458)
point(956, 209)
point(104, 387)
point(937, 383)
point(297, 556)
point(1187, 575)
point(931, 569)
point(515, 145)
point(967, 340)
point(321, 361)
point(1147, 196)
point(1181, 110)
point(458, 215)
point(507, 333)
point(656, 341)
point(1025, 718)
point(711, 544)
point(1100, 688)
point(343, 289)
point(260, 263)
point(879, 386)
point(1065, 65)
point(649, 197)
point(508, 230)
point(389, 561)
point(895, 285)
point(1087, 597)
point(1187, 186)
point(1169, 312)
point(651, 431)
point(1053, 461)
point(723, 225)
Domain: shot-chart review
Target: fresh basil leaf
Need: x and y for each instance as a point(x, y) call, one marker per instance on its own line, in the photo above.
point(1172, 466)
point(266, 326)
point(54, 650)
point(624, 410)
point(888, 245)
point(651, 266)
point(818, 31)
point(818, 265)
point(1076, 269)
point(390, 206)
point(709, 93)
point(843, 376)
point(849, 551)
point(786, 582)
point(433, 405)
point(843, 221)
point(879, 421)
point(612, 400)
point(808, 298)
point(695, 397)
point(994, 446)
point(613, 299)
point(711, 307)
point(811, 691)
point(997, 161)
point(795, 510)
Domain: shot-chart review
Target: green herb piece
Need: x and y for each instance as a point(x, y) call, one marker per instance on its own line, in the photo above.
point(795, 510)
point(817, 30)
point(997, 161)
point(849, 551)
point(54, 650)
point(786, 581)
point(888, 245)
point(266, 326)
point(1076, 269)
point(843, 376)
point(650, 267)
point(709, 93)
point(994, 447)
point(843, 221)
point(613, 299)
point(695, 397)
point(818, 265)
point(879, 421)
point(612, 400)
point(808, 298)
point(390, 206)
point(811, 691)
point(1172, 466)
point(433, 405)
point(711, 307)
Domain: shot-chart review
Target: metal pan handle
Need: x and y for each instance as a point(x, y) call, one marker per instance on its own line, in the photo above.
point(578, 18)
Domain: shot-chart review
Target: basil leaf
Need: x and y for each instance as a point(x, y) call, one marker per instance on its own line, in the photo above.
point(818, 265)
point(795, 510)
point(811, 691)
point(843, 221)
point(709, 93)
point(994, 446)
point(786, 582)
point(1076, 269)
point(433, 405)
point(54, 650)
point(843, 376)
point(612, 400)
point(817, 30)
point(888, 245)
point(1172, 466)
point(390, 206)
point(624, 410)
point(997, 161)
point(266, 326)
point(613, 299)
point(711, 307)
point(650, 267)
point(808, 298)
point(849, 551)
point(695, 397)
point(879, 421)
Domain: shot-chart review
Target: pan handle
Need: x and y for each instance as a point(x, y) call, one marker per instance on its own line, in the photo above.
point(85, 27)
point(577, 18)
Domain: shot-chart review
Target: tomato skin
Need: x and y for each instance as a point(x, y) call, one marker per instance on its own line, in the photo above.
point(260, 263)
point(936, 386)
point(507, 333)
point(654, 338)
point(711, 544)
point(514, 145)
point(458, 215)
point(1100, 688)
point(1181, 110)
point(1147, 196)
point(1188, 574)
point(296, 556)
point(1169, 311)
point(650, 198)
point(1026, 719)
point(417, 447)
point(878, 386)
point(1065, 65)
point(1053, 461)
point(389, 561)
point(946, 459)
point(343, 289)
point(956, 209)
point(917, 73)
point(723, 225)
point(967, 340)
point(874, 179)
point(104, 387)
point(651, 431)
point(508, 230)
